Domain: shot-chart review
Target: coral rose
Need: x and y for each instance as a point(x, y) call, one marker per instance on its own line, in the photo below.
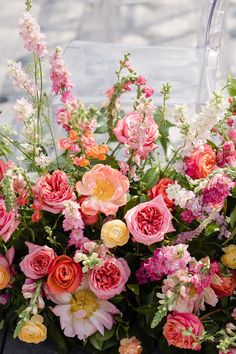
point(114, 233)
point(52, 191)
point(179, 322)
point(149, 222)
point(36, 264)
point(64, 275)
point(201, 162)
point(105, 188)
point(109, 279)
point(160, 188)
point(229, 258)
point(8, 221)
point(33, 330)
point(130, 346)
point(223, 285)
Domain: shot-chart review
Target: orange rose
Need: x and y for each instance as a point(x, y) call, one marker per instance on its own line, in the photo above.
point(160, 188)
point(201, 162)
point(224, 286)
point(5, 277)
point(64, 275)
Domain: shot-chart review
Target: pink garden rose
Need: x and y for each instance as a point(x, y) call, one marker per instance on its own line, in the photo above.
point(176, 324)
point(109, 279)
point(201, 162)
point(8, 221)
point(149, 222)
point(53, 191)
point(105, 188)
point(138, 132)
point(36, 264)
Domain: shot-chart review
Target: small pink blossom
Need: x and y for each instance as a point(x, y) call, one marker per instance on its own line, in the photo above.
point(77, 239)
point(217, 189)
point(73, 219)
point(34, 40)
point(59, 75)
point(141, 81)
point(226, 155)
point(232, 135)
point(110, 91)
point(28, 291)
point(20, 78)
point(8, 221)
point(148, 90)
point(23, 109)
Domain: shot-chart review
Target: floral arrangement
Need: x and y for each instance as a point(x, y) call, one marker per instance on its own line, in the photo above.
point(123, 247)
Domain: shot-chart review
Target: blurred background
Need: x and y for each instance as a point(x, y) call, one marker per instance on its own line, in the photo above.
point(160, 22)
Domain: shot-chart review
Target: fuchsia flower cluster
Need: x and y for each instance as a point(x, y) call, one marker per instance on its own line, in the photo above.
point(109, 241)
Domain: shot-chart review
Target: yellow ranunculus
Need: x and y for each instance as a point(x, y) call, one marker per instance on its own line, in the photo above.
point(33, 330)
point(5, 277)
point(229, 258)
point(114, 233)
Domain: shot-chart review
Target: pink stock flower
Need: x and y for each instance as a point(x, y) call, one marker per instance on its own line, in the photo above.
point(19, 77)
point(148, 90)
point(217, 189)
point(30, 32)
point(59, 75)
point(226, 155)
point(35, 265)
point(201, 162)
point(232, 135)
point(137, 131)
point(8, 221)
point(177, 323)
point(73, 218)
point(149, 222)
point(83, 313)
point(53, 191)
point(23, 109)
point(77, 239)
point(28, 291)
point(109, 279)
point(105, 188)
point(5, 268)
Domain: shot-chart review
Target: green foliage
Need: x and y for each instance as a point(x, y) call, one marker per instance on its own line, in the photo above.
point(231, 86)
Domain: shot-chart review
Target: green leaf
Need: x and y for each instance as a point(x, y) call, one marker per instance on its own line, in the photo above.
point(231, 86)
point(150, 178)
point(131, 203)
point(55, 335)
point(149, 309)
point(134, 288)
point(98, 339)
point(101, 125)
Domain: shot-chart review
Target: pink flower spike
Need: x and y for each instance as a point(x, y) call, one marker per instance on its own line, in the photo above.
point(148, 90)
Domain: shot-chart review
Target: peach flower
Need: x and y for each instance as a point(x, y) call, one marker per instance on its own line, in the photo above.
point(5, 268)
point(201, 162)
point(130, 346)
point(105, 188)
point(179, 322)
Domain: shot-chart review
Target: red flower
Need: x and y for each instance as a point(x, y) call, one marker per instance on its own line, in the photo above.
point(160, 188)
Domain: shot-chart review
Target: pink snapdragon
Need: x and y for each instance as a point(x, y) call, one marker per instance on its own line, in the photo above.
point(29, 31)
point(217, 190)
point(20, 78)
point(72, 216)
point(28, 291)
point(59, 74)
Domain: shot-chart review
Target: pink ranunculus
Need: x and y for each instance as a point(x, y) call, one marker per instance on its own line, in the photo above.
point(36, 264)
point(109, 279)
point(105, 188)
point(149, 222)
point(201, 162)
point(53, 191)
point(138, 132)
point(8, 221)
point(176, 324)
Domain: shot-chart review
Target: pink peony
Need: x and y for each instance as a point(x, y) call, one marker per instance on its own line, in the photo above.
point(52, 192)
point(109, 279)
point(139, 132)
point(8, 221)
point(105, 188)
point(175, 326)
point(149, 222)
point(201, 162)
point(36, 264)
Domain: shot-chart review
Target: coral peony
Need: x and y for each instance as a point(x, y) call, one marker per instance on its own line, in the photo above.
point(177, 323)
point(149, 222)
point(106, 189)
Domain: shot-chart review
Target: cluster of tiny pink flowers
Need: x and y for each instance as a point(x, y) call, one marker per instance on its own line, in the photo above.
point(217, 189)
point(168, 259)
point(30, 32)
point(226, 155)
point(59, 73)
point(20, 78)
point(72, 217)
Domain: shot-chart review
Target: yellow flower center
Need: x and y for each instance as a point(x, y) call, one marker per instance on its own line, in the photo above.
point(104, 190)
point(84, 301)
